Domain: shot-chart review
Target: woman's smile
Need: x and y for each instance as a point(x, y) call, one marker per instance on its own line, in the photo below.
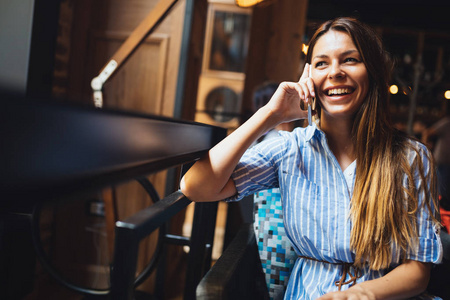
point(339, 93)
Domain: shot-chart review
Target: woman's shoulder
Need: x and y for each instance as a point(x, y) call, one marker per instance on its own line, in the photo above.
point(417, 149)
point(418, 146)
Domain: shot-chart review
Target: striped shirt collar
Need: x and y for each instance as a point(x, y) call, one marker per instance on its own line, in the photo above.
point(311, 131)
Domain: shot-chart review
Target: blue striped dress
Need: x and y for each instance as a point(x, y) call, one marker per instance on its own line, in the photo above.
point(316, 197)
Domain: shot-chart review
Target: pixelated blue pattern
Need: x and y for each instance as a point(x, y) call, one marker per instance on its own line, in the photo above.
point(275, 250)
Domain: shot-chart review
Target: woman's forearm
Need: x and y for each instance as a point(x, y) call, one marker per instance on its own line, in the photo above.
point(407, 280)
point(209, 178)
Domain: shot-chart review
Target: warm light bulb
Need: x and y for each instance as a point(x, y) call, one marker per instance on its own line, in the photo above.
point(447, 94)
point(247, 3)
point(305, 49)
point(393, 89)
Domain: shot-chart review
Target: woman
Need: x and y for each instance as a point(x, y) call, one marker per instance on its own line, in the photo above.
point(359, 198)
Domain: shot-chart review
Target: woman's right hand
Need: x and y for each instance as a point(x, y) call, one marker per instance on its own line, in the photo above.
point(285, 104)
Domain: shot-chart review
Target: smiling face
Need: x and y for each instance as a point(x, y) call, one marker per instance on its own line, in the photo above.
point(340, 77)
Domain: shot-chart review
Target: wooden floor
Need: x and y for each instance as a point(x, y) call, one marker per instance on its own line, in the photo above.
point(46, 288)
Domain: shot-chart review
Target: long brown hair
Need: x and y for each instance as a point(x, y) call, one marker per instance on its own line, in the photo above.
point(383, 208)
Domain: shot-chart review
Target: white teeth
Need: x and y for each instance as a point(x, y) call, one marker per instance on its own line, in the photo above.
point(338, 91)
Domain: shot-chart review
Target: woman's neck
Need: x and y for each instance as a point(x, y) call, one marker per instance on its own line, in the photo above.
point(340, 141)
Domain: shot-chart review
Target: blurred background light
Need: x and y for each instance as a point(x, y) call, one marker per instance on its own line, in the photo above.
point(447, 94)
point(393, 89)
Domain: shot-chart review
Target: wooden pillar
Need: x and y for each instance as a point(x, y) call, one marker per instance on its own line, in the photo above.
point(275, 45)
point(191, 59)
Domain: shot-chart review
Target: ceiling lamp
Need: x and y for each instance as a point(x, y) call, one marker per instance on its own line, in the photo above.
point(248, 3)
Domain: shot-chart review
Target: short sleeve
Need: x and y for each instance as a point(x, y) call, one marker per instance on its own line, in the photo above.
point(429, 247)
point(258, 168)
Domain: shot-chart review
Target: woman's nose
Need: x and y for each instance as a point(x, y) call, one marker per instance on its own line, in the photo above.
point(335, 71)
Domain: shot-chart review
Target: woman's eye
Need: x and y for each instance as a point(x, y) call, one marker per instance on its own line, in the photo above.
point(319, 64)
point(351, 59)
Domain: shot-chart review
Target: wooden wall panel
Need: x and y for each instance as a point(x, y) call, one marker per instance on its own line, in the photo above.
point(116, 23)
point(139, 84)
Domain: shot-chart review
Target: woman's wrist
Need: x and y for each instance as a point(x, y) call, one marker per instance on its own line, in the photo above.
point(270, 118)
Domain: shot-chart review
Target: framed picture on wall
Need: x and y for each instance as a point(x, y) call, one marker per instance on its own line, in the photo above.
point(226, 41)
